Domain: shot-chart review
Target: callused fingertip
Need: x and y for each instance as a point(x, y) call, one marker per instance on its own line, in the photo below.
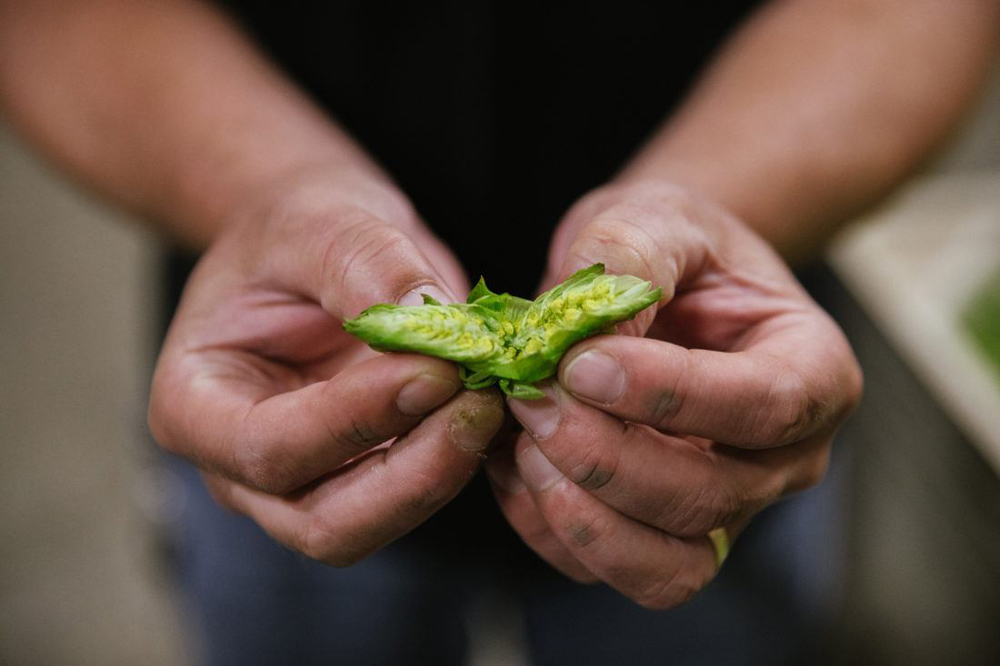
point(595, 375)
point(476, 420)
point(423, 393)
point(536, 470)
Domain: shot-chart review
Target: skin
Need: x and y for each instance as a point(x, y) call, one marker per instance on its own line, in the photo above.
point(728, 394)
point(503, 339)
point(287, 413)
point(730, 397)
point(290, 418)
point(720, 402)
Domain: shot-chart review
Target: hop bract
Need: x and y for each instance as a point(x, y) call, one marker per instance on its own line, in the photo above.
point(499, 338)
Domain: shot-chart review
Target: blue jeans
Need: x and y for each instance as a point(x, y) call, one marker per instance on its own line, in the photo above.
point(251, 601)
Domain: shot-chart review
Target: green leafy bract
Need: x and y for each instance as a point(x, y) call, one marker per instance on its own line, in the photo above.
point(503, 339)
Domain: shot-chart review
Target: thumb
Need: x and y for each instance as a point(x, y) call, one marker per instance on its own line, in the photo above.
point(371, 262)
point(358, 260)
point(655, 240)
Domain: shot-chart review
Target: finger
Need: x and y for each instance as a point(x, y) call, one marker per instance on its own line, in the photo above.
point(519, 509)
point(799, 377)
point(662, 233)
point(656, 240)
point(649, 566)
point(348, 260)
point(684, 487)
point(219, 413)
point(797, 370)
point(384, 494)
point(656, 231)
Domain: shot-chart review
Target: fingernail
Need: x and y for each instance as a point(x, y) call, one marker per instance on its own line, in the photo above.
point(539, 417)
point(596, 376)
point(536, 470)
point(423, 393)
point(416, 297)
point(473, 429)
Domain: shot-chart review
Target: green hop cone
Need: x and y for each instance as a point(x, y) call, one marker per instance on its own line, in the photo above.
point(499, 338)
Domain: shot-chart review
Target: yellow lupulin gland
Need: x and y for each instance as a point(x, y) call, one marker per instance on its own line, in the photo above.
point(492, 334)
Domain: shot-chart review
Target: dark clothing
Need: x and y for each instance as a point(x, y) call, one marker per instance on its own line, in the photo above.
point(493, 118)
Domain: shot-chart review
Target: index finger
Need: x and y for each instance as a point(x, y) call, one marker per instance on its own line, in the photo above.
point(798, 378)
point(383, 494)
point(218, 412)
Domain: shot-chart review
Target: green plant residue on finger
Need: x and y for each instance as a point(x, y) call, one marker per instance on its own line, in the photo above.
point(503, 339)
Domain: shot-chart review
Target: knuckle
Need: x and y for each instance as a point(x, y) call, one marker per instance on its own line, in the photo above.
point(583, 531)
point(261, 474)
point(355, 437)
point(579, 529)
point(426, 495)
point(374, 240)
point(670, 592)
point(664, 405)
point(665, 401)
point(258, 466)
point(701, 512)
point(597, 467)
point(358, 241)
point(788, 411)
point(323, 542)
point(346, 430)
point(625, 245)
point(719, 507)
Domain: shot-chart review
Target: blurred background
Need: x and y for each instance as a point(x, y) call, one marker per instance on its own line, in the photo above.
point(83, 502)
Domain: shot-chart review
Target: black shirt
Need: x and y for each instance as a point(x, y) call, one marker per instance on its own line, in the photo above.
point(493, 117)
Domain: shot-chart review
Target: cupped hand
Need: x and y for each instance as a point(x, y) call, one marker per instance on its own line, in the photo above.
point(334, 449)
point(715, 404)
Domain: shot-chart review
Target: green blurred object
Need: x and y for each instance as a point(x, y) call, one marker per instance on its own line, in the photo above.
point(981, 319)
point(503, 339)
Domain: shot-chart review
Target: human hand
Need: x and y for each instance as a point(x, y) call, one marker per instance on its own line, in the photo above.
point(291, 418)
point(712, 407)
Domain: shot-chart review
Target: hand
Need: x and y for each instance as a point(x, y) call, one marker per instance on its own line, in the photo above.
point(293, 420)
point(646, 444)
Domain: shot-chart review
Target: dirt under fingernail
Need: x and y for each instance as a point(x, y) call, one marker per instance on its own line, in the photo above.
point(473, 427)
